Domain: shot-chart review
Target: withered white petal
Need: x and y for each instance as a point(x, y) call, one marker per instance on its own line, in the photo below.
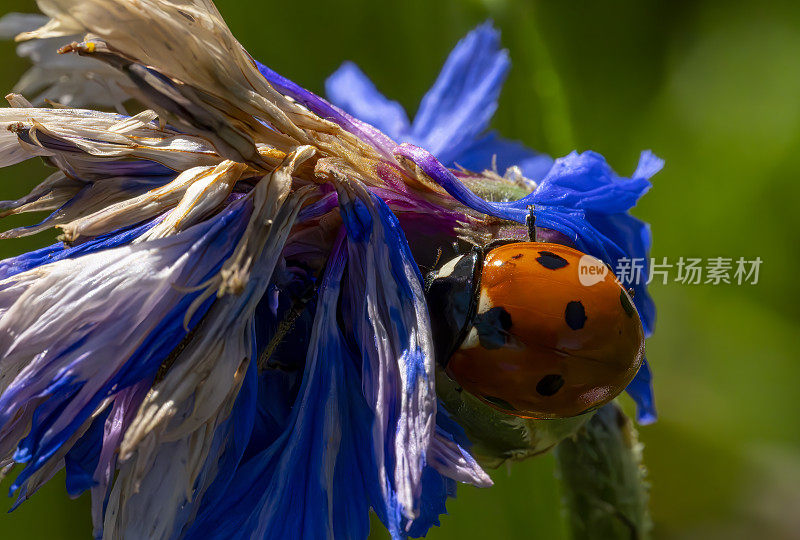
point(268, 197)
point(200, 198)
point(174, 426)
point(12, 24)
point(135, 210)
point(54, 191)
point(209, 83)
point(81, 142)
point(68, 80)
point(72, 200)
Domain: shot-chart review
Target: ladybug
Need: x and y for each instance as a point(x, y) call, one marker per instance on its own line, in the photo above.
point(514, 325)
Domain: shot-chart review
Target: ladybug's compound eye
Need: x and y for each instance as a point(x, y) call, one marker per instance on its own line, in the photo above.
point(537, 343)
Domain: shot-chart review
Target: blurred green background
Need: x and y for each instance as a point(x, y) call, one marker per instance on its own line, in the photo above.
point(714, 89)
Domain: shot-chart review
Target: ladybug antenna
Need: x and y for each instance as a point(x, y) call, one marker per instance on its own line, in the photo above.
point(530, 221)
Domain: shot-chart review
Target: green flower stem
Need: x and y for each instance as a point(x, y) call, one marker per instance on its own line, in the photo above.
point(603, 479)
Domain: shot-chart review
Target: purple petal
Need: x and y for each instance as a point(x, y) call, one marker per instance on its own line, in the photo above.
point(451, 460)
point(445, 178)
point(327, 111)
point(123, 410)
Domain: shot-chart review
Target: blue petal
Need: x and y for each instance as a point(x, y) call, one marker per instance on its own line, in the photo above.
point(633, 239)
point(350, 89)
point(586, 182)
point(383, 304)
point(435, 491)
point(317, 480)
point(81, 461)
point(436, 488)
point(641, 390)
point(280, 380)
point(453, 114)
point(462, 101)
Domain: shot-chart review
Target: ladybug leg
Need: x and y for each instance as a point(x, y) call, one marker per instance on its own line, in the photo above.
point(530, 221)
point(438, 257)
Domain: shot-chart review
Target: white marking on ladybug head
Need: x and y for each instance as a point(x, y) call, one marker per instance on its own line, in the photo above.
point(484, 303)
point(447, 269)
point(472, 340)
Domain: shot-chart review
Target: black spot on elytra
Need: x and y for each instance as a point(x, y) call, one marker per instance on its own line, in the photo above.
point(493, 327)
point(575, 315)
point(503, 404)
point(625, 300)
point(517, 257)
point(549, 384)
point(503, 318)
point(551, 261)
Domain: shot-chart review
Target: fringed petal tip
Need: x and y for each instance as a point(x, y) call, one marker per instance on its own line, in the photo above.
point(462, 101)
point(649, 165)
point(454, 115)
point(585, 181)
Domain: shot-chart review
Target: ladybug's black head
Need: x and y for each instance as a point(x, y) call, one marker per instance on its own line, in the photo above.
point(452, 298)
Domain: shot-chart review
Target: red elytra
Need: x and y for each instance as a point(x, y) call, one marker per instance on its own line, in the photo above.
point(545, 343)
